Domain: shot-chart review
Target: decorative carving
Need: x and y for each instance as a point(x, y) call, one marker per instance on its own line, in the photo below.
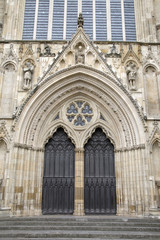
point(9, 67)
point(47, 52)
point(131, 55)
point(150, 58)
point(29, 50)
point(131, 71)
point(10, 56)
point(4, 135)
point(80, 58)
point(28, 73)
point(80, 21)
point(113, 53)
point(155, 135)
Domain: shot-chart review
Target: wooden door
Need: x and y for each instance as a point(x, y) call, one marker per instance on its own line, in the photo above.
point(58, 180)
point(100, 182)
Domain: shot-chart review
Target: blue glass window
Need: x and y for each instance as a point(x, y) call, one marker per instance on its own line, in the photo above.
point(130, 26)
point(42, 21)
point(72, 15)
point(58, 20)
point(101, 20)
point(87, 11)
point(116, 20)
point(29, 17)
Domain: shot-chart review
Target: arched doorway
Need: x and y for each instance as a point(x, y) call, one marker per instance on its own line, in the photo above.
point(99, 171)
point(58, 179)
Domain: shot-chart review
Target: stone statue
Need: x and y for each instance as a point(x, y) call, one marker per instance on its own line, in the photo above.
point(80, 20)
point(47, 50)
point(131, 71)
point(28, 72)
point(80, 55)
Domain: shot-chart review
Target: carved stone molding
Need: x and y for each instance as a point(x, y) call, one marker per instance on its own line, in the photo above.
point(151, 59)
point(131, 55)
point(10, 57)
point(155, 135)
point(136, 147)
point(4, 135)
point(28, 147)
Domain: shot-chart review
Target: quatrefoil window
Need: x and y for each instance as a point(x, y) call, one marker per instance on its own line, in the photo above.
point(79, 113)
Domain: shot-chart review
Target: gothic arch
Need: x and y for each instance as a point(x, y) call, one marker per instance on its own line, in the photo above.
point(38, 112)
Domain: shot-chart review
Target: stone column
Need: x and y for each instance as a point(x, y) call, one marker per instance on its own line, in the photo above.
point(79, 182)
point(145, 25)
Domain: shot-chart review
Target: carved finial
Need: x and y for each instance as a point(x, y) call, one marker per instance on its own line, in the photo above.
point(80, 20)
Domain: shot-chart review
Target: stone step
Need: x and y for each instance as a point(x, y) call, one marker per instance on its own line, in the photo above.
point(79, 228)
point(75, 238)
point(79, 234)
point(81, 219)
point(70, 227)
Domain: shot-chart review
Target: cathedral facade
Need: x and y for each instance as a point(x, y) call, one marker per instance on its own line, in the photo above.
point(80, 107)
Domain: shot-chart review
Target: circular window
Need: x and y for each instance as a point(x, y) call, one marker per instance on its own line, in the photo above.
point(79, 113)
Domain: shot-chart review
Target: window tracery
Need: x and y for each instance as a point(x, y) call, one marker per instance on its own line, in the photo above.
point(79, 113)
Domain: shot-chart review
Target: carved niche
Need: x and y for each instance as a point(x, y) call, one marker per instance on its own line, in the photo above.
point(28, 70)
point(80, 53)
point(131, 71)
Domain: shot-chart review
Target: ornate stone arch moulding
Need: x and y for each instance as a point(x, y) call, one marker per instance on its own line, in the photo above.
point(73, 70)
point(66, 129)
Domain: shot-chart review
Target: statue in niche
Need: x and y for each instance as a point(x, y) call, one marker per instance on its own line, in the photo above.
point(131, 70)
point(28, 73)
point(80, 54)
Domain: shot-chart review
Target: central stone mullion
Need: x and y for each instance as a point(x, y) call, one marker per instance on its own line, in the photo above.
point(79, 182)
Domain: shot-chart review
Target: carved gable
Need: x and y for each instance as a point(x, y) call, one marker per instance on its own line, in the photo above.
point(79, 51)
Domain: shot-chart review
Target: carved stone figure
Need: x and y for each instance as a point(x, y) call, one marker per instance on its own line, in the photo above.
point(80, 55)
point(131, 70)
point(80, 20)
point(28, 72)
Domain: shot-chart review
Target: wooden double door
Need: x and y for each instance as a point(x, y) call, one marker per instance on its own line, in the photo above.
point(59, 175)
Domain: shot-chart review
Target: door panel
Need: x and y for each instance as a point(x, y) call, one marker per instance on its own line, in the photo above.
point(100, 182)
point(58, 180)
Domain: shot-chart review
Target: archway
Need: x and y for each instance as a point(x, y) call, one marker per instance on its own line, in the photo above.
point(46, 109)
point(99, 171)
point(58, 179)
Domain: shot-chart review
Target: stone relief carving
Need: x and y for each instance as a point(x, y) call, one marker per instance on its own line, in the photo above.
point(155, 135)
point(151, 58)
point(4, 135)
point(131, 55)
point(28, 74)
point(10, 56)
point(47, 52)
point(113, 53)
point(131, 71)
point(29, 50)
